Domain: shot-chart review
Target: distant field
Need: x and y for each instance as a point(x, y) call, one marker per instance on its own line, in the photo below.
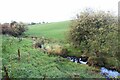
point(55, 30)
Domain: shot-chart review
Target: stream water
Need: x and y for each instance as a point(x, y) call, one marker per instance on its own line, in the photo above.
point(103, 71)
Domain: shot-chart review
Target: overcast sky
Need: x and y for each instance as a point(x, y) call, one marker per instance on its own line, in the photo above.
point(50, 10)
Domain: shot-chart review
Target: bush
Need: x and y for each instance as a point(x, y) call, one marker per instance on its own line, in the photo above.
point(95, 61)
point(56, 50)
point(112, 63)
point(95, 33)
point(17, 29)
point(14, 28)
point(4, 27)
point(92, 27)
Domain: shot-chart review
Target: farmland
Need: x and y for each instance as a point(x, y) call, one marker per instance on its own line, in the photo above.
point(49, 39)
point(55, 30)
point(34, 63)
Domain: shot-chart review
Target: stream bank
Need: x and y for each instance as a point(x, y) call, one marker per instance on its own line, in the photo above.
point(103, 71)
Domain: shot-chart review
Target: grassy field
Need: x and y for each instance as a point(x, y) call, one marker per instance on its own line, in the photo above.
point(34, 63)
point(55, 30)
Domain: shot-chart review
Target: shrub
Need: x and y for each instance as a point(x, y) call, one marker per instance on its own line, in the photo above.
point(56, 50)
point(5, 28)
point(112, 63)
point(14, 28)
point(17, 29)
point(32, 23)
point(95, 61)
point(95, 33)
point(92, 27)
point(48, 49)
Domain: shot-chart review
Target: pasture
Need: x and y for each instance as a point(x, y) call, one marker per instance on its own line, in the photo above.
point(54, 30)
point(34, 63)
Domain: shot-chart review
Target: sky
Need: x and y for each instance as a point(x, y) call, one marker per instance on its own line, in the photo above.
point(50, 10)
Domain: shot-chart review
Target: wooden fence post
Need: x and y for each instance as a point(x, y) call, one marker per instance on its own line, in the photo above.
point(19, 54)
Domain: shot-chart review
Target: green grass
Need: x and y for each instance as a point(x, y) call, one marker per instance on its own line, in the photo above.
point(36, 64)
point(55, 30)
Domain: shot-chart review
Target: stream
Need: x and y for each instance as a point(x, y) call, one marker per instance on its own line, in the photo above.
point(103, 71)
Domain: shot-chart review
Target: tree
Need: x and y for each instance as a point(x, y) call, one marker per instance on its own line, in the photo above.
point(92, 27)
point(14, 28)
point(96, 33)
point(18, 29)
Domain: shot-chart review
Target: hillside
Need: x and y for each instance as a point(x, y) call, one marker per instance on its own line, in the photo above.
point(34, 63)
point(55, 30)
